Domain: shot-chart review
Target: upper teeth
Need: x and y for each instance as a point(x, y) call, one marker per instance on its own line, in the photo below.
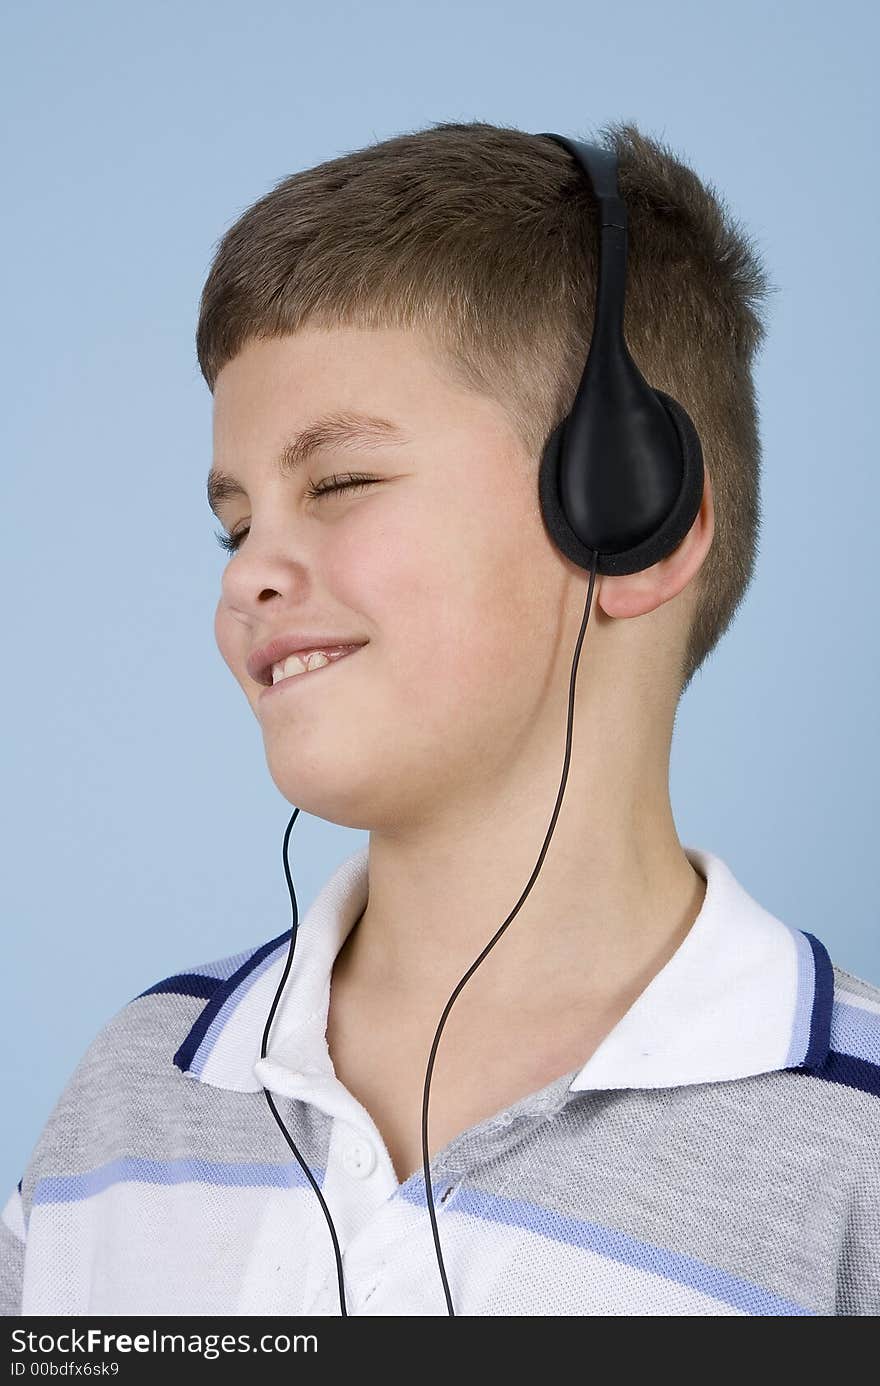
point(300, 664)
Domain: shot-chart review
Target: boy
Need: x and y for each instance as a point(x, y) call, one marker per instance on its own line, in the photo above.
point(652, 1097)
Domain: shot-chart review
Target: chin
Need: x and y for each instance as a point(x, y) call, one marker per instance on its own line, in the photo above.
point(338, 795)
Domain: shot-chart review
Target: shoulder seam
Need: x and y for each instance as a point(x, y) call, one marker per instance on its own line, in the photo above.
point(841, 972)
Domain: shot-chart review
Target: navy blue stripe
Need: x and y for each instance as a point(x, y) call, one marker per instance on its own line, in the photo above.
point(823, 1000)
point(186, 1053)
point(184, 984)
point(853, 1072)
point(847, 1070)
point(19, 1184)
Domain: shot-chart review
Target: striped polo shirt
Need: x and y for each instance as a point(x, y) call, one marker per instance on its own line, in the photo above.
point(718, 1153)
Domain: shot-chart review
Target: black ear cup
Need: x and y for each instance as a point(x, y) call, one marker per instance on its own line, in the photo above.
point(622, 484)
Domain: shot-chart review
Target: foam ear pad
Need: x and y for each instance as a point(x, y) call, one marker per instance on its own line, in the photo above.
point(654, 546)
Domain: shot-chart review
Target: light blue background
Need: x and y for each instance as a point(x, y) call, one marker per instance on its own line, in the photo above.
point(142, 829)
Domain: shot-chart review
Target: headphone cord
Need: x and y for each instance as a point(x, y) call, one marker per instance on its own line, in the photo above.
point(491, 944)
point(473, 967)
point(272, 1107)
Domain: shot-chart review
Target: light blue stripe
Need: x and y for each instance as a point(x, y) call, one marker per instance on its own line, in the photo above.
point(133, 1169)
point(618, 1246)
point(545, 1222)
point(855, 1031)
point(211, 1035)
point(806, 992)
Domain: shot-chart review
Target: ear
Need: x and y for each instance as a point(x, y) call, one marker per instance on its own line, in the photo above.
point(635, 594)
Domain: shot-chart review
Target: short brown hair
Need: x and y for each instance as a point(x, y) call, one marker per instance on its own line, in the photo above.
point(484, 237)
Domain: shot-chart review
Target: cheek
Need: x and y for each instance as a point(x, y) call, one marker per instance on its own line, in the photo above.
point(449, 601)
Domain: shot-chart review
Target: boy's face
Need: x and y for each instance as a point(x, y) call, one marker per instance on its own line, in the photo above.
point(443, 566)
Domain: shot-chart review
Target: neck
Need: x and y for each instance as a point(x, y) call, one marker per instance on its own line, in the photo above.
point(613, 899)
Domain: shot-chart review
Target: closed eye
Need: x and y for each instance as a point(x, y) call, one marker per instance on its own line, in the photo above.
point(349, 481)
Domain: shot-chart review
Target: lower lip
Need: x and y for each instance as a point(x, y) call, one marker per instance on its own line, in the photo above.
point(293, 679)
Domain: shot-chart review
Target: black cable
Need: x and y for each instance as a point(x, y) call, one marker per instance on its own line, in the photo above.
point(287, 1137)
point(473, 967)
point(491, 944)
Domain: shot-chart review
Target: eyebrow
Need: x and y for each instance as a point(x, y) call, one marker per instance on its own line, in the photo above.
point(339, 428)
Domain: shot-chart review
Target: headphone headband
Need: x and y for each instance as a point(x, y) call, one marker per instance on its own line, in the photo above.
point(622, 474)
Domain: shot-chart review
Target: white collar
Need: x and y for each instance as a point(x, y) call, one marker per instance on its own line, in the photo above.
point(743, 994)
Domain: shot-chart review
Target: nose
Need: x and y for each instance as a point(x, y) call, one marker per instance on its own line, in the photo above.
point(261, 569)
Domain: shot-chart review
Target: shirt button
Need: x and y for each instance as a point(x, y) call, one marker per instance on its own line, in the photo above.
point(359, 1158)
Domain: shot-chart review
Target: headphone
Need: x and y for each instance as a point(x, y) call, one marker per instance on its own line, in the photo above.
point(620, 483)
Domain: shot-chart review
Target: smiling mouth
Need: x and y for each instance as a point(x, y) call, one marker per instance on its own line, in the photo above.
point(306, 673)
